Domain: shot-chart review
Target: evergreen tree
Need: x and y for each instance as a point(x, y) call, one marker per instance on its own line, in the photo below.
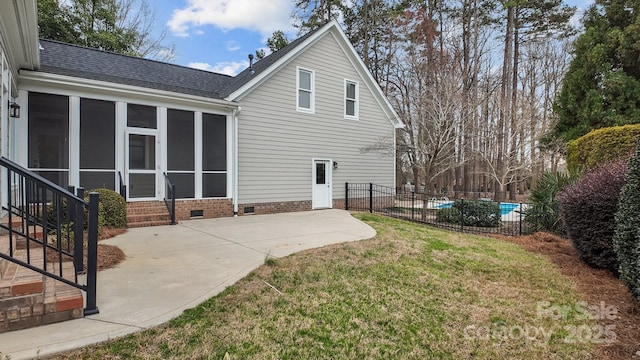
point(122, 26)
point(311, 14)
point(277, 41)
point(602, 86)
point(626, 241)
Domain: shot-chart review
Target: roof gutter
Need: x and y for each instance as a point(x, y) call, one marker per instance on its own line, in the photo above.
point(69, 83)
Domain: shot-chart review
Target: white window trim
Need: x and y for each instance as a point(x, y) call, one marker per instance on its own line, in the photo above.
point(312, 101)
point(356, 106)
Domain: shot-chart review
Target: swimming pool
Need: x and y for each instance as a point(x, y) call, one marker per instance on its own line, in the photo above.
point(505, 208)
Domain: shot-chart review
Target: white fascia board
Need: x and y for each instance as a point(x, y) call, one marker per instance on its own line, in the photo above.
point(333, 28)
point(19, 35)
point(249, 86)
point(33, 80)
point(28, 23)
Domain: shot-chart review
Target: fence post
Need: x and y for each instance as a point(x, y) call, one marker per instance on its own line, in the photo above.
point(413, 205)
point(520, 214)
point(346, 196)
point(78, 229)
point(92, 255)
point(461, 214)
point(370, 197)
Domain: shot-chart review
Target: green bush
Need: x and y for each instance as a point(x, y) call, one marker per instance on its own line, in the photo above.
point(112, 210)
point(626, 239)
point(544, 212)
point(477, 213)
point(448, 215)
point(602, 146)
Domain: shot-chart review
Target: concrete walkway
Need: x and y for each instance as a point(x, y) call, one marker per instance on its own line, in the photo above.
point(172, 268)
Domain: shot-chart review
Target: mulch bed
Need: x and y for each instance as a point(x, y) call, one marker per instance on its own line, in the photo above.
point(596, 286)
point(108, 255)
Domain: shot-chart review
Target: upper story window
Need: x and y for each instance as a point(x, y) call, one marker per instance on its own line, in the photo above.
point(306, 90)
point(351, 99)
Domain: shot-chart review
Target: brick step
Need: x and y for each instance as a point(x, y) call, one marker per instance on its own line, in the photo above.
point(142, 204)
point(143, 211)
point(18, 225)
point(28, 298)
point(147, 213)
point(55, 302)
point(16, 221)
point(149, 223)
point(147, 217)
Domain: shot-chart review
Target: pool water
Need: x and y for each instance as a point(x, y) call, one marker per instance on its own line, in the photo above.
point(505, 208)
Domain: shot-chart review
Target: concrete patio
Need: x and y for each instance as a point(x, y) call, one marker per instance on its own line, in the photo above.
point(172, 268)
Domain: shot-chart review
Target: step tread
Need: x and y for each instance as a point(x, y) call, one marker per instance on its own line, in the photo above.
point(149, 223)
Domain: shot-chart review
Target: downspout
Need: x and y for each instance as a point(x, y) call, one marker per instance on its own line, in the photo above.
point(234, 117)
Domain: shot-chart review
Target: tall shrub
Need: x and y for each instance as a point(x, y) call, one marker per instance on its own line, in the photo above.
point(588, 209)
point(602, 146)
point(112, 208)
point(626, 241)
point(544, 212)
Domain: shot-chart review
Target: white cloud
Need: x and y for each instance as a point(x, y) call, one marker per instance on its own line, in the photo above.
point(232, 46)
point(226, 67)
point(257, 15)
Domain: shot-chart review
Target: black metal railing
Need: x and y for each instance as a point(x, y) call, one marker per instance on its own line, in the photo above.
point(460, 214)
point(48, 223)
point(122, 186)
point(170, 198)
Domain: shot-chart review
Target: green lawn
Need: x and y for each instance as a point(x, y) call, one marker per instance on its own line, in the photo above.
point(412, 292)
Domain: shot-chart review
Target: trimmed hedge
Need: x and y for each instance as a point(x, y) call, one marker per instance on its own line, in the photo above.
point(602, 146)
point(112, 209)
point(448, 215)
point(588, 209)
point(477, 213)
point(626, 241)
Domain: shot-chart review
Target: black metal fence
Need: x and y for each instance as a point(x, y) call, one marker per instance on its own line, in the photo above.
point(46, 225)
point(479, 215)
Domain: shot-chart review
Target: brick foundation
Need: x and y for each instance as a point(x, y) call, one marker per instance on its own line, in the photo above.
point(282, 207)
point(211, 208)
point(151, 213)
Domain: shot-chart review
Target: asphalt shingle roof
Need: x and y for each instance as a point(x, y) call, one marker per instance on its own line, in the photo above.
point(77, 61)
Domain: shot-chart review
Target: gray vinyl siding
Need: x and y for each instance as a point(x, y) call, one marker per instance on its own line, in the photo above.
point(276, 144)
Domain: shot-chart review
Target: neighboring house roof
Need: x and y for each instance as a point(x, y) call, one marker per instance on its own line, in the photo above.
point(77, 61)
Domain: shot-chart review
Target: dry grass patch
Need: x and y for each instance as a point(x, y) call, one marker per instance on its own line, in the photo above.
point(411, 292)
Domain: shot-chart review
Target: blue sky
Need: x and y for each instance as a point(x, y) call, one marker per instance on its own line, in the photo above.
point(217, 35)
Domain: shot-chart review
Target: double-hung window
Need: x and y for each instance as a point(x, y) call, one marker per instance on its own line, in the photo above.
point(351, 100)
point(305, 80)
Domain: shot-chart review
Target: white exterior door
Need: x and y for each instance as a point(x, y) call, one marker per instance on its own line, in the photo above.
point(322, 198)
point(142, 165)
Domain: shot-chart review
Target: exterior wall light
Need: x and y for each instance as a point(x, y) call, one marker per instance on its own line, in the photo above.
point(14, 110)
point(335, 165)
